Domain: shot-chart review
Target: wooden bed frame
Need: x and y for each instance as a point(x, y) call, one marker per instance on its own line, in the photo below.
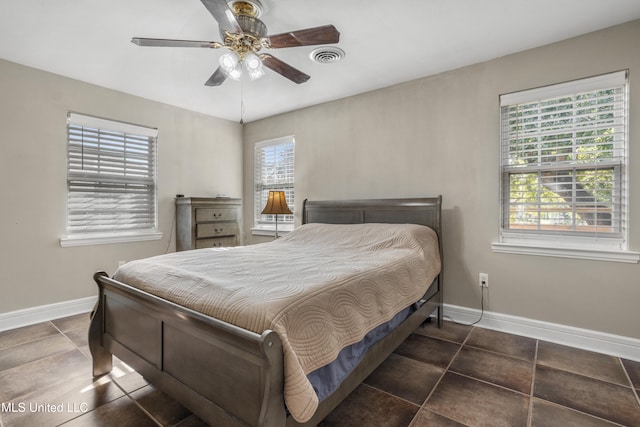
point(226, 375)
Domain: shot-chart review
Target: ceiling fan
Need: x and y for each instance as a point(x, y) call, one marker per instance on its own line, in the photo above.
point(244, 35)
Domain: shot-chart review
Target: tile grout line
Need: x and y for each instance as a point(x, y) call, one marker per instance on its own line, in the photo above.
point(533, 384)
point(54, 325)
point(498, 353)
point(128, 395)
point(147, 413)
point(68, 339)
point(125, 395)
point(391, 395)
point(38, 361)
point(135, 402)
point(590, 377)
point(111, 379)
point(578, 410)
point(499, 386)
point(587, 375)
point(12, 348)
point(58, 331)
point(531, 394)
point(532, 390)
point(479, 379)
point(444, 372)
point(419, 405)
point(633, 387)
point(33, 340)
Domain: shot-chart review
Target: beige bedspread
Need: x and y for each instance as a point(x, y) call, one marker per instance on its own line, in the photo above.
point(320, 288)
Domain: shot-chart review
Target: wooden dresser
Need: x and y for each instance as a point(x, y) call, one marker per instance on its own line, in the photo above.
point(207, 222)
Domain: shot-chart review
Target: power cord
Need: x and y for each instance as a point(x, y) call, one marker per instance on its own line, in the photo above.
point(481, 312)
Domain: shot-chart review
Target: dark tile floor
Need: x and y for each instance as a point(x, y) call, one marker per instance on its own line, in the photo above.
point(454, 376)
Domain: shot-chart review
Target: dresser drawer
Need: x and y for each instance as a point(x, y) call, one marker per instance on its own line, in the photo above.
point(218, 242)
point(208, 222)
point(216, 229)
point(216, 214)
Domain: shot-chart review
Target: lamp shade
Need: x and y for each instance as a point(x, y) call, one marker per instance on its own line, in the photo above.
point(276, 204)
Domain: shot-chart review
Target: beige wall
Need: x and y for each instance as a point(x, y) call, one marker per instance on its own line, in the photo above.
point(439, 135)
point(198, 155)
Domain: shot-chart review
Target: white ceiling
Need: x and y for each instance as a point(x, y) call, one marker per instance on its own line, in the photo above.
point(386, 42)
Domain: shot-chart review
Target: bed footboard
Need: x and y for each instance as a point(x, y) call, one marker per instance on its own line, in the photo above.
point(167, 345)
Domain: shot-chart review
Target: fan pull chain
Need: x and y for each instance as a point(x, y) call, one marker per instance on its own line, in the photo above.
point(241, 103)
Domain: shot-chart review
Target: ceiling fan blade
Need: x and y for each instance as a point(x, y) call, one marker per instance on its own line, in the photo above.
point(217, 78)
point(311, 36)
point(174, 43)
point(284, 69)
point(223, 14)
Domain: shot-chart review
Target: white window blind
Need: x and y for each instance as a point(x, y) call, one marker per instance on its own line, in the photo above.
point(274, 170)
point(111, 170)
point(564, 162)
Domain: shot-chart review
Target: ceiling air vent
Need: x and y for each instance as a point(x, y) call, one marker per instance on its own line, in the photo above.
point(327, 54)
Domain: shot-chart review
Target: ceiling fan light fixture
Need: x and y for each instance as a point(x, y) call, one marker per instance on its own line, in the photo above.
point(231, 65)
point(253, 64)
point(245, 35)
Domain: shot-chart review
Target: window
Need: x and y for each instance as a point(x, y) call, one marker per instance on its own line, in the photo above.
point(564, 165)
point(274, 170)
point(111, 188)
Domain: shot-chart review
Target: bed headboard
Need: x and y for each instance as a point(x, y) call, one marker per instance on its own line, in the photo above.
point(423, 211)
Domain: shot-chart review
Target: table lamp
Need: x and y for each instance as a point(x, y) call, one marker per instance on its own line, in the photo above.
point(276, 205)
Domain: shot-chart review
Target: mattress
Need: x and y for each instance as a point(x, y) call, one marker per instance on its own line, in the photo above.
point(327, 379)
point(321, 288)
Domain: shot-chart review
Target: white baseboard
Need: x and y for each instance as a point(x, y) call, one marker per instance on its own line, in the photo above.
point(615, 345)
point(43, 313)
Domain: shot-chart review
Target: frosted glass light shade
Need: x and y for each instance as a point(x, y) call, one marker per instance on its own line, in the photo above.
point(253, 64)
point(230, 65)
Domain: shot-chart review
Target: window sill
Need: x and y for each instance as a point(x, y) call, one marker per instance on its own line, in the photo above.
point(574, 253)
point(99, 239)
point(270, 231)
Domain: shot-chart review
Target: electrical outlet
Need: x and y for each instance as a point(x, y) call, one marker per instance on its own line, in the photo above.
point(483, 280)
